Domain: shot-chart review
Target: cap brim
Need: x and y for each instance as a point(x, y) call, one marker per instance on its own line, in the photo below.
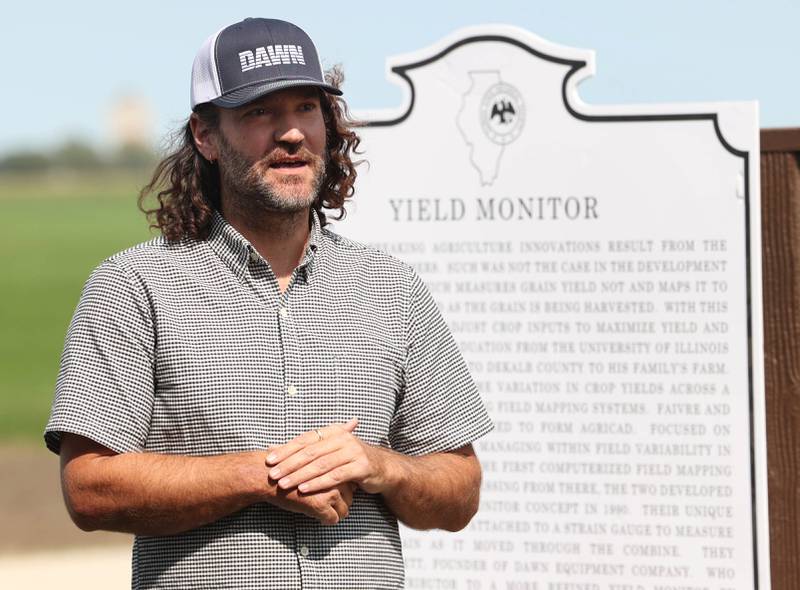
point(245, 94)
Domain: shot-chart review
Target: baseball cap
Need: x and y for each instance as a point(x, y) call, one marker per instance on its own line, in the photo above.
point(251, 58)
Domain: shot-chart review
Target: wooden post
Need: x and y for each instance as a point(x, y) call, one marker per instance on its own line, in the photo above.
point(780, 212)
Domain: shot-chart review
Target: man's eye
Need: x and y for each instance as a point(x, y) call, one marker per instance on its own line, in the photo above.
point(257, 112)
point(308, 106)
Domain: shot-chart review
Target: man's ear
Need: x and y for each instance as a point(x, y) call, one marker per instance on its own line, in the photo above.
point(204, 137)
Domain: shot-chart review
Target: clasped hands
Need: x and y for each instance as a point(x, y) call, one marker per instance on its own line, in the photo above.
point(317, 472)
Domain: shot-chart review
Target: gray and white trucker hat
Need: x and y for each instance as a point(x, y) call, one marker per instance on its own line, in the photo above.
point(251, 58)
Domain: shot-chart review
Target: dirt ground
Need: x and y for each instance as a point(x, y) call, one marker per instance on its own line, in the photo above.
point(87, 568)
point(32, 510)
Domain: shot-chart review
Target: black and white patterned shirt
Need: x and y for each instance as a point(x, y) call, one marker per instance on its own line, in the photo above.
point(190, 348)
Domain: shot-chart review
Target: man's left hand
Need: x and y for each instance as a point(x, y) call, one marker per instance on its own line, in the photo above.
point(324, 458)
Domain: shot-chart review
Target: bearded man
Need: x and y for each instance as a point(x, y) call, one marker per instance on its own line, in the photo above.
point(260, 400)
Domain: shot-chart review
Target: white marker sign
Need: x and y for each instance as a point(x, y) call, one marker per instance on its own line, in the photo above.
point(599, 267)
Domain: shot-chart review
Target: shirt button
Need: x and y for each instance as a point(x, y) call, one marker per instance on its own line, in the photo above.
point(284, 312)
point(304, 551)
point(254, 256)
point(291, 390)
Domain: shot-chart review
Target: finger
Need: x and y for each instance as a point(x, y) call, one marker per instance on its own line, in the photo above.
point(347, 491)
point(341, 507)
point(306, 456)
point(279, 453)
point(282, 452)
point(328, 515)
point(317, 466)
point(345, 473)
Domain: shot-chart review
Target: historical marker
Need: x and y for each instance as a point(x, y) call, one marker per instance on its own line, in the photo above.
point(599, 267)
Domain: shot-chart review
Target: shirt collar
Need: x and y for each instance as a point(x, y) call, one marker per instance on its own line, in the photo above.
point(314, 244)
point(235, 250)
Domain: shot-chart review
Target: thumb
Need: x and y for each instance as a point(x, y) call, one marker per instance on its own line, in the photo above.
point(350, 425)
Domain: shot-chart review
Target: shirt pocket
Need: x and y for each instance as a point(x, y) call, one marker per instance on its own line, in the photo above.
point(368, 384)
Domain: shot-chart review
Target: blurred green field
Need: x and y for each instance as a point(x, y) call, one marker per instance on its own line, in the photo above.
point(53, 232)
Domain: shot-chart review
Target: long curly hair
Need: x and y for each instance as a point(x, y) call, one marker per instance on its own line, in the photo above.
point(187, 186)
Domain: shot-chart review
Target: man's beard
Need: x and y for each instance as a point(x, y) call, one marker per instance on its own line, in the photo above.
point(248, 189)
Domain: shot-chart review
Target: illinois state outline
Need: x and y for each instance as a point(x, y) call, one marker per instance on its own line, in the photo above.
point(484, 154)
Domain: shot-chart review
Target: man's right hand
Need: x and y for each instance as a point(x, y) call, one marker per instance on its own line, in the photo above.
point(327, 506)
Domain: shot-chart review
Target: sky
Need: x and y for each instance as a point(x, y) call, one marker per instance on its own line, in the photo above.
point(66, 63)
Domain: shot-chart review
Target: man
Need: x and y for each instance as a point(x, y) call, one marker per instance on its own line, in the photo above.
point(256, 398)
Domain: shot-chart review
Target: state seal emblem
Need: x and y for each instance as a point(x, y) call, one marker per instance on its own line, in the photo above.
point(502, 113)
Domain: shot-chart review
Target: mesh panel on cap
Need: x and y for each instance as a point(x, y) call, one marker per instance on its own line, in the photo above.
point(205, 82)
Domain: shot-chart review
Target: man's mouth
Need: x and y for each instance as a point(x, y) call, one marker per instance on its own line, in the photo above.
point(288, 164)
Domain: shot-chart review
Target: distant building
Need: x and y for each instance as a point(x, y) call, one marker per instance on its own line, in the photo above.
point(131, 122)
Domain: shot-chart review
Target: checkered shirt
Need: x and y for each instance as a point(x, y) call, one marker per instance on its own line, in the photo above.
point(190, 348)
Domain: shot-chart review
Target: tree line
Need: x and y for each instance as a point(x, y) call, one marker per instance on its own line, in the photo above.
point(79, 156)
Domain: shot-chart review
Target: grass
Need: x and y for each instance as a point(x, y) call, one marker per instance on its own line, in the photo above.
point(53, 232)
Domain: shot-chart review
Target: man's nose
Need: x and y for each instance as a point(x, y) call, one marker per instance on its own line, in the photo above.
point(289, 134)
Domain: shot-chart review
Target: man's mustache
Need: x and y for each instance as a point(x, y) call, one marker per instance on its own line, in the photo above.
point(280, 154)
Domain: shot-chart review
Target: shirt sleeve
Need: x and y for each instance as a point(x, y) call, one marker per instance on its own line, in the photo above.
point(105, 385)
point(439, 408)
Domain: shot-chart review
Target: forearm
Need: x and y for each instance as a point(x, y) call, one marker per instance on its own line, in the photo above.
point(441, 490)
point(150, 494)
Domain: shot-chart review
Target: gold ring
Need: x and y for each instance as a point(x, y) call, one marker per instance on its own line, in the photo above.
point(319, 434)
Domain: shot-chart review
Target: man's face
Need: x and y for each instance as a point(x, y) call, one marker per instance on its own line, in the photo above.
point(271, 152)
